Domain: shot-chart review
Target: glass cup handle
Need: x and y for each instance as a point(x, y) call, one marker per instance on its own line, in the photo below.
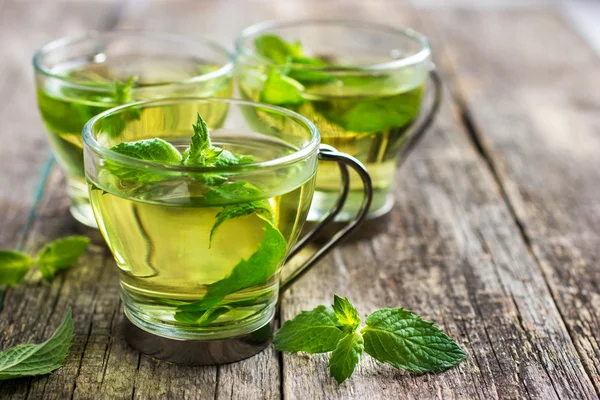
point(328, 153)
point(428, 119)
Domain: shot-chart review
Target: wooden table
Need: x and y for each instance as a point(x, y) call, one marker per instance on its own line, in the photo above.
point(494, 235)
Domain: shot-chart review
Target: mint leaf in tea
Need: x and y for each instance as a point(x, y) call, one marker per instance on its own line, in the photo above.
point(200, 247)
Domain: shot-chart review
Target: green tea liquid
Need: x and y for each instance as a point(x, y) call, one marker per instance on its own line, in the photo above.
point(169, 265)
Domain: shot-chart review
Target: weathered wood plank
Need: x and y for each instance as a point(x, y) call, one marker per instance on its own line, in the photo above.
point(527, 91)
point(455, 255)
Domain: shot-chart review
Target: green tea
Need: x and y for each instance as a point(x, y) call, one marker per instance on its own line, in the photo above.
point(183, 267)
point(89, 88)
point(366, 115)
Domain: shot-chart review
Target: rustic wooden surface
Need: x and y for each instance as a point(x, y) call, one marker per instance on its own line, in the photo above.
point(494, 235)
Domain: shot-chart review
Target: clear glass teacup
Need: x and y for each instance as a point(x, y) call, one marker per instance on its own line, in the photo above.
point(362, 84)
point(200, 249)
point(79, 77)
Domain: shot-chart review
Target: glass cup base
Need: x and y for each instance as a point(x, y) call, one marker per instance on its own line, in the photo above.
point(81, 209)
point(199, 352)
point(383, 202)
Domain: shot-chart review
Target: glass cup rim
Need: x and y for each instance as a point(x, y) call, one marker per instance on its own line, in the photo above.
point(422, 55)
point(99, 35)
point(299, 155)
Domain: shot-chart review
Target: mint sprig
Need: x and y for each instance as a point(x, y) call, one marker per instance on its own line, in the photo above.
point(53, 257)
point(392, 335)
point(38, 359)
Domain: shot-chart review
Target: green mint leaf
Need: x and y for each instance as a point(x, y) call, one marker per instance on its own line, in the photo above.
point(346, 314)
point(13, 266)
point(123, 90)
point(61, 254)
point(275, 48)
point(261, 207)
point(257, 269)
point(378, 114)
point(202, 317)
point(346, 356)
point(196, 155)
point(157, 150)
point(38, 359)
point(281, 90)
point(313, 331)
point(239, 191)
point(398, 337)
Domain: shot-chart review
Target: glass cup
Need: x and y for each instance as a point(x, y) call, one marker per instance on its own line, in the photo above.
point(183, 281)
point(362, 84)
point(79, 77)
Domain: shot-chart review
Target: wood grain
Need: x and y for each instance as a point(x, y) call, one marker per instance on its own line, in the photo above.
point(492, 236)
point(527, 94)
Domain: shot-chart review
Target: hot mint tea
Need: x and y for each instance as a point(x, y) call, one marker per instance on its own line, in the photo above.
point(200, 252)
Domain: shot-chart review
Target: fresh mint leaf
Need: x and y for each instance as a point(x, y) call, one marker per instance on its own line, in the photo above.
point(123, 90)
point(196, 155)
point(346, 314)
point(240, 191)
point(157, 150)
point(261, 207)
point(257, 269)
point(346, 356)
point(13, 266)
point(38, 359)
point(276, 49)
point(313, 331)
point(392, 335)
point(202, 317)
point(281, 90)
point(60, 254)
point(403, 339)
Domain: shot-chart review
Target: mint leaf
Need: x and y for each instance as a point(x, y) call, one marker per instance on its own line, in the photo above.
point(377, 114)
point(281, 90)
point(61, 254)
point(346, 356)
point(277, 49)
point(239, 191)
point(38, 359)
point(157, 150)
point(13, 266)
point(196, 155)
point(346, 314)
point(257, 269)
point(123, 90)
point(313, 331)
point(398, 337)
point(202, 317)
point(261, 207)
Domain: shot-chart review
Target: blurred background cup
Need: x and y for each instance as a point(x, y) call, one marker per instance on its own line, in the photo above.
point(79, 77)
point(181, 277)
point(362, 84)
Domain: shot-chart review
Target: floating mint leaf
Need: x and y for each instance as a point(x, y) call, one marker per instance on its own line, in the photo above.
point(157, 150)
point(13, 266)
point(261, 207)
point(196, 155)
point(257, 269)
point(398, 337)
point(313, 331)
point(346, 356)
point(277, 49)
point(346, 313)
point(38, 359)
point(281, 90)
point(61, 254)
